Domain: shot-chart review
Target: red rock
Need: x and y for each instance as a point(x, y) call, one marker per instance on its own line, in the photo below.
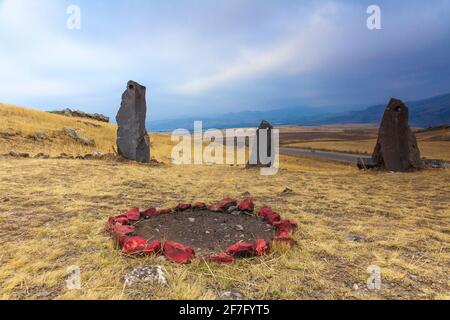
point(285, 226)
point(221, 258)
point(199, 205)
point(215, 208)
point(246, 205)
point(241, 249)
point(269, 215)
point(261, 247)
point(112, 221)
point(149, 213)
point(153, 248)
point(176, 252)
point(284, 237)
point(122, 230)
point(122, 220)
point(165, 211)
point(133, 214)
point(182, 207)
point(133, 245)
point(222, 205)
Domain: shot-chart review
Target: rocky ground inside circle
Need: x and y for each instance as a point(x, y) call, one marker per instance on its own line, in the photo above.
point(204, 231)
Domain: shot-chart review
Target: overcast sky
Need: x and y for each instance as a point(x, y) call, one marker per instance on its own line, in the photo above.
point(206, 57)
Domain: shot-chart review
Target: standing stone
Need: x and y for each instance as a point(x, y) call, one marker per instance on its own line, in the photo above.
point(396, 148)
point(265, 128)
point(132, 139)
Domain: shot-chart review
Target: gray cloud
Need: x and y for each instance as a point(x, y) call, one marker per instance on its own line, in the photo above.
point(209, 57)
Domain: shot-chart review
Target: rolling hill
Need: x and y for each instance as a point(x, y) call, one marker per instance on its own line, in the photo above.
point(429, 112)
point(424, 113)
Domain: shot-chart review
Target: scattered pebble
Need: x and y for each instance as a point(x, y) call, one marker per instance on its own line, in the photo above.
point(239, 227)
point(232, 295)
point(161, 258)
point(191, 220)
point(357, 238)
point(232, 209)
point(287, 191)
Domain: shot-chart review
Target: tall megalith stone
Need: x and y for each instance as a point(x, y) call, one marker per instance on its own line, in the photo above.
point(263, 146)
point(396, 149)
point(133, 142)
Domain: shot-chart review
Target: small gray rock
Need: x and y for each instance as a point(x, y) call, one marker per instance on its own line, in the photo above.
point(39, 136)
point(93, 155)
point(72, 133)
point(232, 209)
point(287, 191)
point(232, 295)
point(152, 274)
point(357, 238)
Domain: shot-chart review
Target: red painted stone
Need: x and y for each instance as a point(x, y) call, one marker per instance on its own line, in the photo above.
point(285, 226)
point(269, 215)
point(122, 230)
point(222, 205)
point(182, 207)
point(199, 205)
point(284, 237)
point(112, 221)
point(221, 258)
point(153, 248)
point(149, 213)
point(133, 245)
point(246, 205)
point(176, 252)
point(133, 214)
point(165, 211)
point(241, 249)
point(261, 247)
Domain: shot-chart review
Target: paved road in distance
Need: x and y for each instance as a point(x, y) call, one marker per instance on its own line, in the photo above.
point(329, 155)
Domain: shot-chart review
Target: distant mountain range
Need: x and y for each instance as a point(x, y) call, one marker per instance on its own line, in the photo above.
point(424, 113)
point(429, 112)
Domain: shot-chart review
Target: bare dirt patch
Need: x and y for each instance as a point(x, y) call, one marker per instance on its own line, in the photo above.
point(204, 231)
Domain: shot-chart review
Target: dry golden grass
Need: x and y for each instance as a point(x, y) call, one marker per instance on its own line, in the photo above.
point(28, 122)
point(433, 145)
point(53, 212)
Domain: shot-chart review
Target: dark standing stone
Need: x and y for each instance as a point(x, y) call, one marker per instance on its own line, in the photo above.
point(132, 139)
point(265, 128)
point(396, 149)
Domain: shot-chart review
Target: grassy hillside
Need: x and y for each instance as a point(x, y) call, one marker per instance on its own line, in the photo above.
point(18, 125)
point(53, 213)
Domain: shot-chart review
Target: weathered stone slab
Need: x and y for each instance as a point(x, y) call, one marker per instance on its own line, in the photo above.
point(396, 148)
point(133, 142)
point(264, 129)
